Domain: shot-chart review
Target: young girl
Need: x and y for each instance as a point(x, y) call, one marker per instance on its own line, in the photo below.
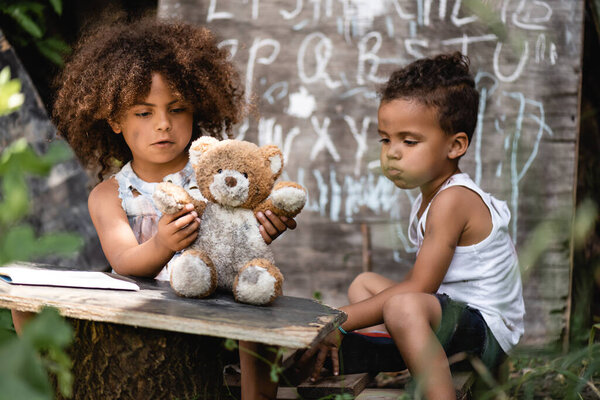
point(132, 98)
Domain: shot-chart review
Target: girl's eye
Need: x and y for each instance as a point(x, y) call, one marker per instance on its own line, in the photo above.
point(410, 142)
point(178, 110)
point(384, 140)
point(142, 114)
point(219, 171)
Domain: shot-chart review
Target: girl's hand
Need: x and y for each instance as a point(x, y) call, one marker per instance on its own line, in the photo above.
point(178, 231)
point(271, 225)
point(329, 346)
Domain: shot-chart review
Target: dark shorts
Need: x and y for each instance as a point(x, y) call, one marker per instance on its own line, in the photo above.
point(462, 329)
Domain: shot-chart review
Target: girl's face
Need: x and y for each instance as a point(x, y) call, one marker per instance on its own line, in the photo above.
point(157, 130)
point(415, 151)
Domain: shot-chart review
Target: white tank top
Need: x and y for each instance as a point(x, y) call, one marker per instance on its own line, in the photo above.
point(485, 275)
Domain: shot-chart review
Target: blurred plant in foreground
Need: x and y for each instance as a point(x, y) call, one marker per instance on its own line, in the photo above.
point(41, 348)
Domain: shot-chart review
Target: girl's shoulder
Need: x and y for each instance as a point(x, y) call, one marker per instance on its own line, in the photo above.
point(103, 193)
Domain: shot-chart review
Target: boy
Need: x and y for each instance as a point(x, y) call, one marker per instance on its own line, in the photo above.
point(464, 292)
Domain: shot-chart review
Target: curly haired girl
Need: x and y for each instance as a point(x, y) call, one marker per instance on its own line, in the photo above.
point(133, 96)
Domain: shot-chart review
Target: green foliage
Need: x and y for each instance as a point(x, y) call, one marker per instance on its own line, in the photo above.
point(17, 239)
point(41, 347)
point(11, 97)
point(29, 27)
point(23, 374)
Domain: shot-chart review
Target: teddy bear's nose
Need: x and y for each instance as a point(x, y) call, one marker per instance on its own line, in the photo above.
point(230, 181)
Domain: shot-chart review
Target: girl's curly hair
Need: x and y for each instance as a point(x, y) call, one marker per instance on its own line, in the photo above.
point(443, 82)
point(111, 70)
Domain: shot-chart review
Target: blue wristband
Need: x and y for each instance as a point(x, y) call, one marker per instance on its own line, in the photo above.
point(342, 330)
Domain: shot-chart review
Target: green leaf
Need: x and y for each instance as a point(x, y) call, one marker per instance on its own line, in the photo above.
point(5, 75)
point(230, 344)
point(57, 6)
point(58, 151)
point(16, 198)
point(29, 25)
point(18, 243)
point(24, 376)
point(11, 97)
point(51, 54)
point(7, 330)
point(58, 244)
point(48, 330)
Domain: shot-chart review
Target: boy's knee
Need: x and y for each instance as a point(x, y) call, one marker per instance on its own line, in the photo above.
point(361, 281)
point(404, 310)
point(398, 310)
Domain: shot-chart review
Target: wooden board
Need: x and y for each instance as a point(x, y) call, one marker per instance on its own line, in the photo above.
point(313, 68)
point(290, 322)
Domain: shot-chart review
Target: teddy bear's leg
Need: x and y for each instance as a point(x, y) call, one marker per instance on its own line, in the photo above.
point(258, 282)
point(193, 274)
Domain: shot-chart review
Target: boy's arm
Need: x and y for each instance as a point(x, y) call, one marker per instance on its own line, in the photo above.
point(120, 246)
point(446, 222)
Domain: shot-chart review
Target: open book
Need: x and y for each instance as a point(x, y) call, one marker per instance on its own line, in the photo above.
point(26, 274)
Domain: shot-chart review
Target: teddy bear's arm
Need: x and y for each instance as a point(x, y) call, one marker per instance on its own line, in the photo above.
point(170, 198)
point(287, 199)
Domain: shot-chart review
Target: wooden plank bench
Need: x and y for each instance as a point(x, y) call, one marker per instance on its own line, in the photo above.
point(154, 344)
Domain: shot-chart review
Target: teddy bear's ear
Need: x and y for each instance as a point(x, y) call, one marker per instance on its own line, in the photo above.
point(199, 146)
point(275, 158)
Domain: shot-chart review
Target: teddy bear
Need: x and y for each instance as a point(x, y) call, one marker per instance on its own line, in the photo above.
point(236, 179)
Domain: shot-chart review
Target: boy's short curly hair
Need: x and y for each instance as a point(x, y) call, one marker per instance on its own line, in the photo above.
point(111, 70)
point(443, 82)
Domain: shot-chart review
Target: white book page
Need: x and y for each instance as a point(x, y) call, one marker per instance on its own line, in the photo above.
point(48, 277)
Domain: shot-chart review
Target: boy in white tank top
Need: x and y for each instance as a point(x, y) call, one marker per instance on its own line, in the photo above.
point(464, 292)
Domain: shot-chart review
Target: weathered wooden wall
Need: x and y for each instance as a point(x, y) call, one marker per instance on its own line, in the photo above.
point(313, 68)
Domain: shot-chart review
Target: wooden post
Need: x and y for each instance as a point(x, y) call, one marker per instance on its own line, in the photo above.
point(365, 231)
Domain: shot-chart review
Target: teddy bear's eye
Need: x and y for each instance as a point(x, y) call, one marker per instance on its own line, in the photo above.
point(245, 175)
point(219, 171)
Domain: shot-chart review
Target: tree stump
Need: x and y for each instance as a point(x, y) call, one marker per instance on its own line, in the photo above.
point(113, 361)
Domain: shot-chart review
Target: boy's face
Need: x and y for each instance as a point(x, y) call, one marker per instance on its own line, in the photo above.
point(157, 129)
point(414, 148)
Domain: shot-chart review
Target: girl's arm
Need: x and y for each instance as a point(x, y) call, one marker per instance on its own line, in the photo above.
point(123, 252)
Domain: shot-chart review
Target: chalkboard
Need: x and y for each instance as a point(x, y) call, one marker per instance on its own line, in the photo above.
point(313, 68)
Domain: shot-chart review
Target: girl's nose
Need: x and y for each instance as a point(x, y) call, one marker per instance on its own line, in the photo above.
point(163, 122)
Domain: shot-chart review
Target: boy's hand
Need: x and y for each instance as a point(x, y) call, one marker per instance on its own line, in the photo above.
point(271, 225)
point(178, 231)
point(329, 346)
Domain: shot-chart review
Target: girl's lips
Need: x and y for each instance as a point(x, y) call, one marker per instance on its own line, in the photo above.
point(162, 143)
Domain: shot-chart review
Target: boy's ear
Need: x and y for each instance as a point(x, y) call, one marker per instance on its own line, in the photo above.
point(115, 127)
point(458, 145)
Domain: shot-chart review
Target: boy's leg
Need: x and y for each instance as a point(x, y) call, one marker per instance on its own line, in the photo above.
point(256, 378)
point(412, 319)
point(366, 285)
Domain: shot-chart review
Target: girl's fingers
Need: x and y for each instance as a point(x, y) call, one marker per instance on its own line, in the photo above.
point(185, 220)
point(266, 224)
point(172, 217)
point(266, 237)
point(276, 222)
point(289, 222)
